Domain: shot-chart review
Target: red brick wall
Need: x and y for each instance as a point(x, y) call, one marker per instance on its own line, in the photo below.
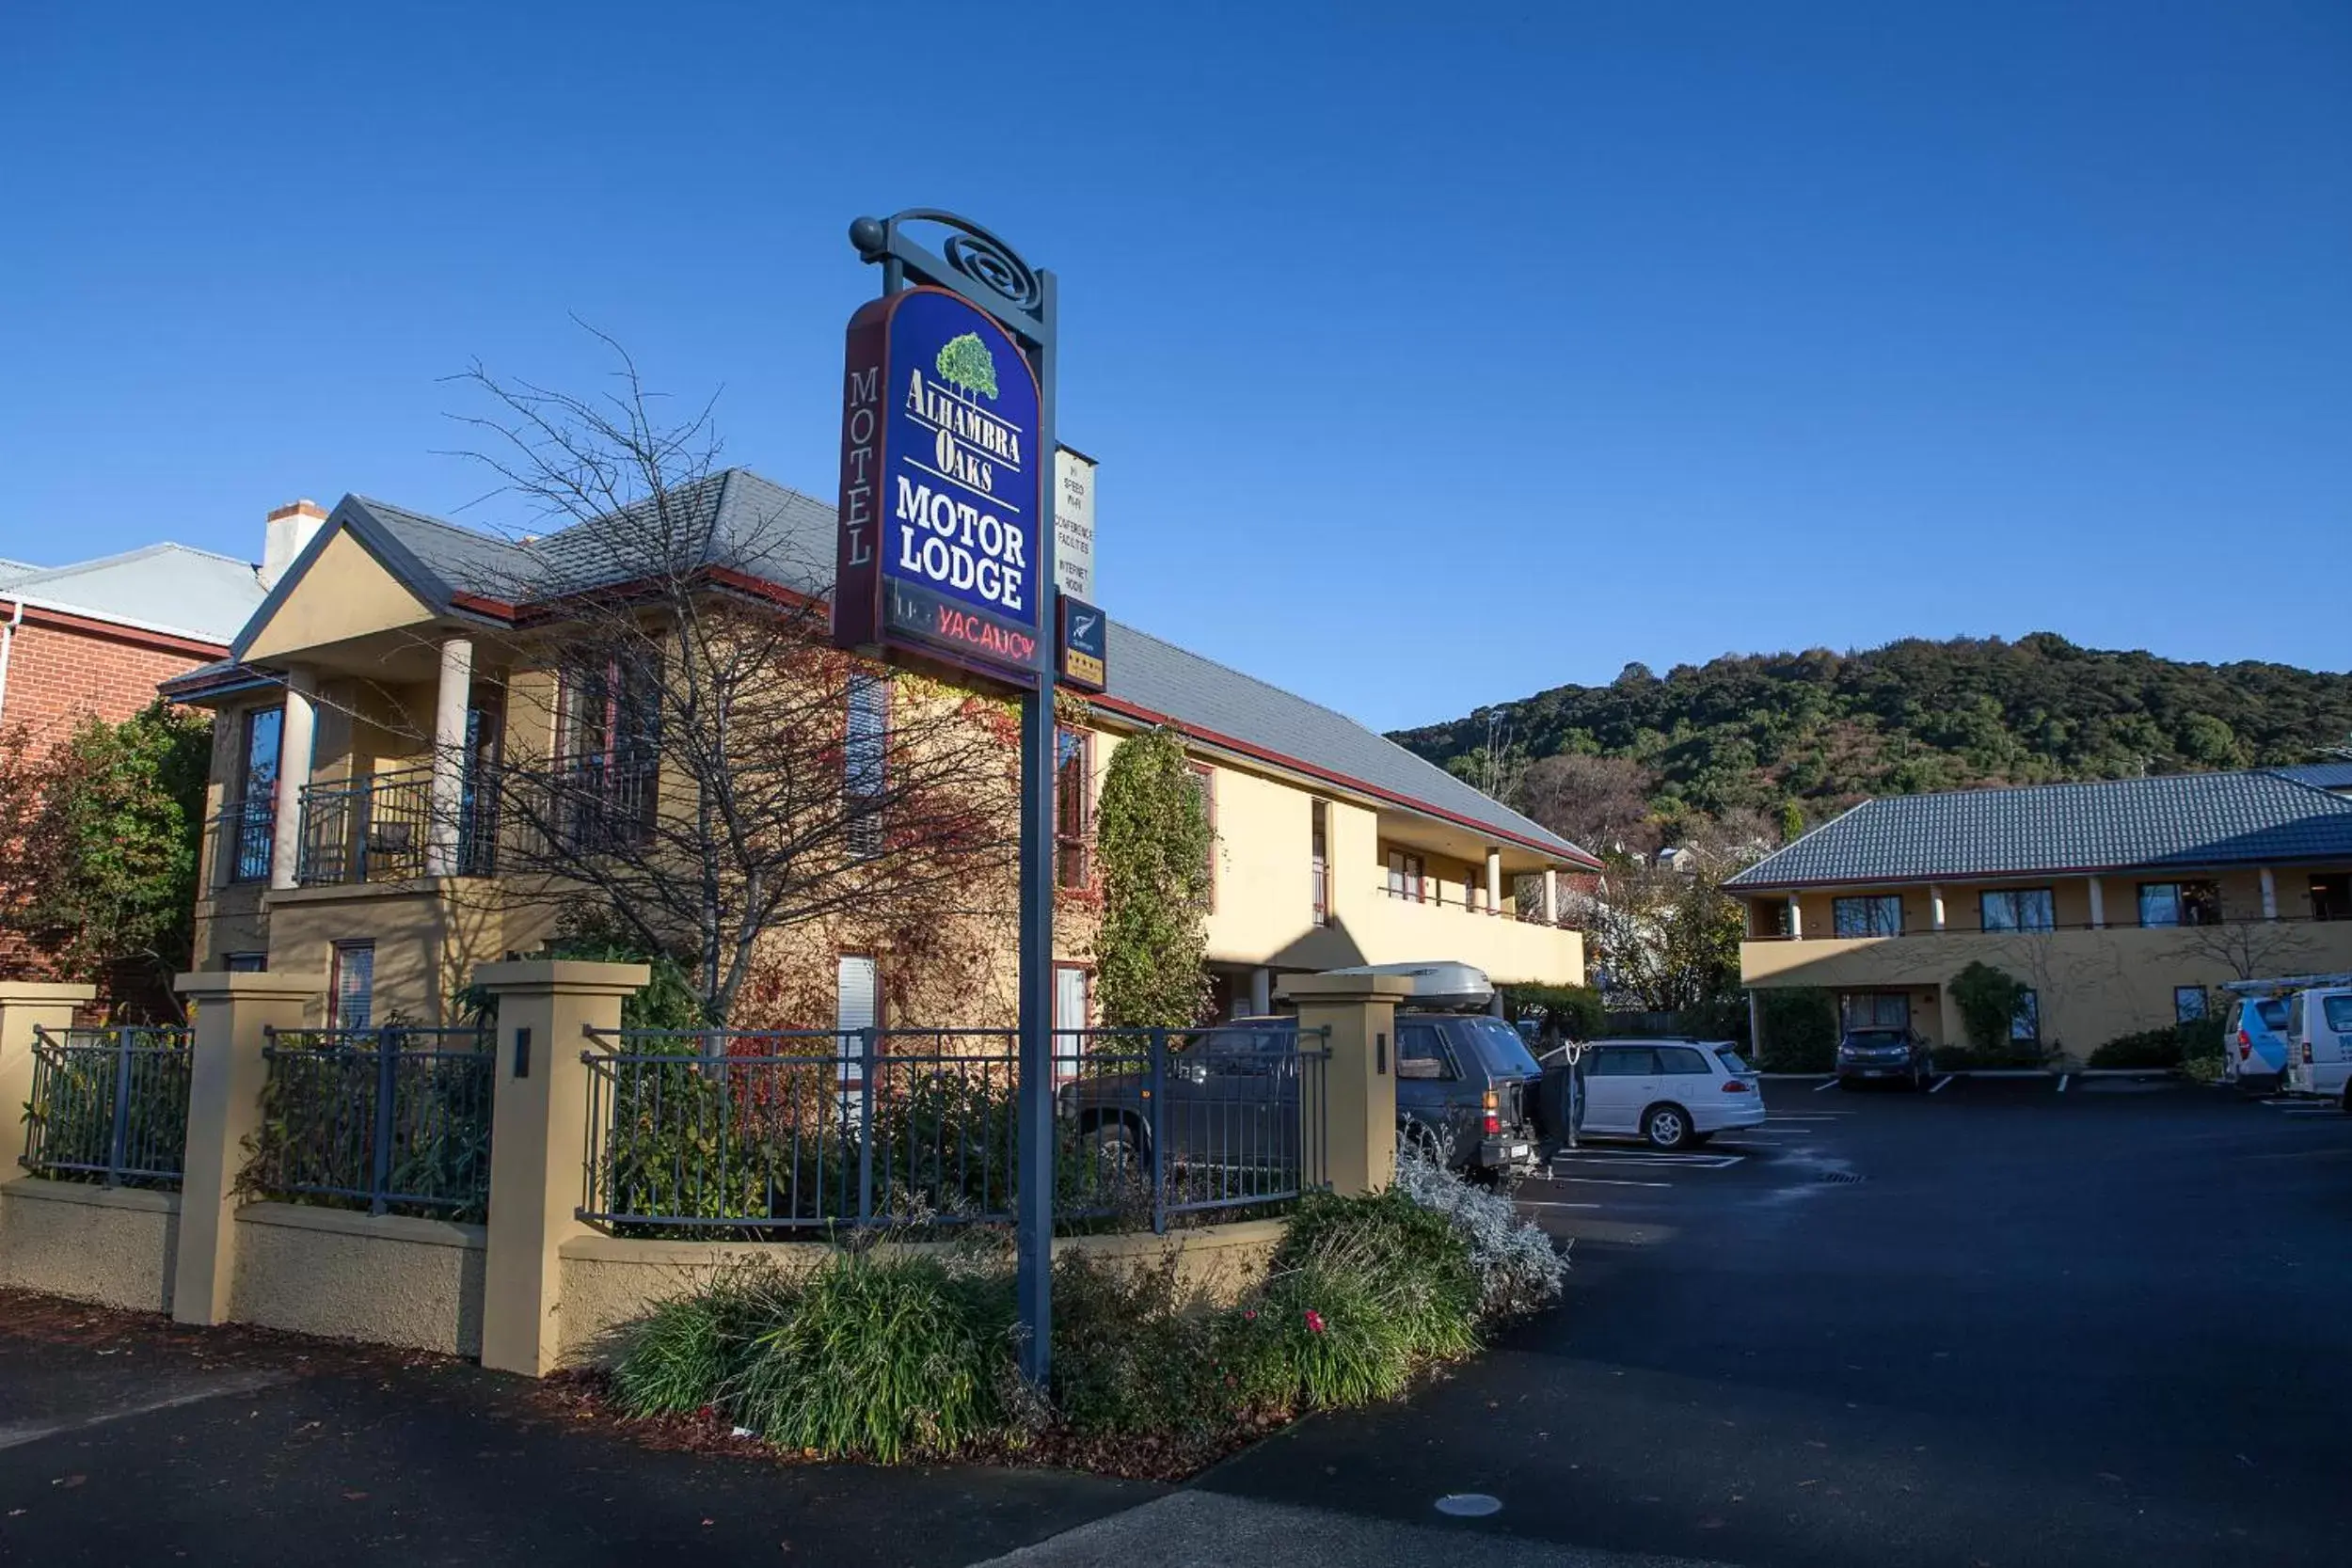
point(62, 674)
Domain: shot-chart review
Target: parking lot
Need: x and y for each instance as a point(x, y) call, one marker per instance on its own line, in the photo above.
point(2001, 1323)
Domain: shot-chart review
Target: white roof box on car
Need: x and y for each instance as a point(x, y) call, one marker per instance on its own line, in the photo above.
point(1436, 984)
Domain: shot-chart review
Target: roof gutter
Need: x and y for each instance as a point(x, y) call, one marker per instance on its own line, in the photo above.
point(7, 646)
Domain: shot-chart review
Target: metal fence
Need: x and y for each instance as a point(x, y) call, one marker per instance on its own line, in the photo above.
point(768, 1133)
point(378, 828)
point(395, 1120)
point(110, 1104)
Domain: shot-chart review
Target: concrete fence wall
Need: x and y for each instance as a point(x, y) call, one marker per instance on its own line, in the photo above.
point(534, 1286)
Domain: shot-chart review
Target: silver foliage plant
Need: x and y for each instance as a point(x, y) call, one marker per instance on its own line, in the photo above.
point(1519, 1267)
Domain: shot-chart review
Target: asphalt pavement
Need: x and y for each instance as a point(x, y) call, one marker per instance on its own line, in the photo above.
point(1997, 1325)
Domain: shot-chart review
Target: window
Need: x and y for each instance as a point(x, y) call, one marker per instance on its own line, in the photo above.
point(612, 748)
point(1319, 859)
point(1878, 915)
point(2339, 1012)
point(2331, 896)
point(351, 992)
point(1404, 875)
point(1621, 1061)
point(864, 762)
point(254, 808)
point(1875, 1009)
point(2025, 1022)
point(1073, 1017)
point(2022, 909)
point(1682, 1059)
point(1420, 1052)
point(2180, 904)
point(1073, 806)
point(246, 964)
point(856, 1007)
point(1205, 782)
point(2189, 1004)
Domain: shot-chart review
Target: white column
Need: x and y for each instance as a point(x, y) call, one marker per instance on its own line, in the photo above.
point(1935, 907)
point(2098, 906)
point(2270, 895)
point(1552, 895)
point(1796, 918)
point(1494, 881)
point(295, 732)
point(1261, 992)
point(449, 754)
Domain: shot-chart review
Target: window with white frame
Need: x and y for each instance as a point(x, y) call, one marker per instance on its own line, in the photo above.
point(350, 991)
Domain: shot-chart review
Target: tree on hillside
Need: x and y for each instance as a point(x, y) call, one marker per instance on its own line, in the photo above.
point(1599, 803)
point(720, 775)
point(1153, 842)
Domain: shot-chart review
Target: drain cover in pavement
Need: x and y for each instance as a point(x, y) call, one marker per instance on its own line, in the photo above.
point(1469, 1505)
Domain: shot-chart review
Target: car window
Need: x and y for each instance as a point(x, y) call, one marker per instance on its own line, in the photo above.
point(1875, 1039)
point(1621, 1061)
point(1498, 1044)
point(2273, 1013)
point(1420, 1054)
point(1682, 1059)
point(1732, 1060)
point(2340, 1014)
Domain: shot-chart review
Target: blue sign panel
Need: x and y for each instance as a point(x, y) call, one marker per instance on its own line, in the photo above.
point(941, 488)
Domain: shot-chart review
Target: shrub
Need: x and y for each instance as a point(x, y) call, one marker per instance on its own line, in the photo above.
point(879, 1357)
point(1800, 1031)
point(1562, 1012)
point(1335, 1329)
point(681, 1358)
point(2147, 1047)
point(1519, 1269)
point(1413, 1252)
point(1988, 1000)
point(1129, 1357)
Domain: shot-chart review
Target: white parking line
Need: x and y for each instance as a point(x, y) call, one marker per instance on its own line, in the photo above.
point(2064, 1078)
point(1608, 1181)
point(1549, 1203)
point(2314, 1111)
point(1826, 1087)
point(1942, 1083)
point(1704, 1162)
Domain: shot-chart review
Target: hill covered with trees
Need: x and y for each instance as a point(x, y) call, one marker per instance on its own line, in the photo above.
point(1763, 732)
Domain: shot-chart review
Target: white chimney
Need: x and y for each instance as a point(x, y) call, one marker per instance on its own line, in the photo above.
point(289, 529)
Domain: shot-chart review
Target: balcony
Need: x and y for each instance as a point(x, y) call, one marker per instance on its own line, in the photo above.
point(2088, 954)
point(378, 828)
point(1390, 928)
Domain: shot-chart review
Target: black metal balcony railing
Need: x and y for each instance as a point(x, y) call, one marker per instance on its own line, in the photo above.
point(2285, 917)
point(378, 828)
point(247, 828)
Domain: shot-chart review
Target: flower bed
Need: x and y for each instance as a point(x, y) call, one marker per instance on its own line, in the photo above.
point(899, 1357)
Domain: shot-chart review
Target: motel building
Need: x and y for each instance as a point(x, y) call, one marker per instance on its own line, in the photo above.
point(387, 644)
point(2122, 906)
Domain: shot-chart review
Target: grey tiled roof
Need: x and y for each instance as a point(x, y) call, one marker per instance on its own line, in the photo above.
point(2188, 820)
point(2319, 775)
point(1206, 695)
point(739, 519)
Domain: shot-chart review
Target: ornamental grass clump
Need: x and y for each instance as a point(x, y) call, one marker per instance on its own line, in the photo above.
point(678, 1359)
point(1335, 1328)
point(1133, 1355)
point(879, 1357)
point(1411, 1253)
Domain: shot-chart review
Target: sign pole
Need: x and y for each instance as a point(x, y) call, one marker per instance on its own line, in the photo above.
point(924, 605)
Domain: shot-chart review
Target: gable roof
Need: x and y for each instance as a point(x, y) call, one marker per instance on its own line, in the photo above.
point(166, 588)
point(742, 521)
point(2186, 819)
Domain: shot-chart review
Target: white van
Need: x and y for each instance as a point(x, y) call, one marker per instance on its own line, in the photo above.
point(2319, 1041)
point(2254, 1047)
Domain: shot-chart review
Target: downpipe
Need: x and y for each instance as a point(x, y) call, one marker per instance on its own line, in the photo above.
point(7, 646)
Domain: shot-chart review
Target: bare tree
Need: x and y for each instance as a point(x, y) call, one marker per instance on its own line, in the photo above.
point(1600, 802)
point(2249, 949)
point(689, 759)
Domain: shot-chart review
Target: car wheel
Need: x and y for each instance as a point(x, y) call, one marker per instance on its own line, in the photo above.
point(1117, 1149)
point(1666, 1127)
point(1419, 1138)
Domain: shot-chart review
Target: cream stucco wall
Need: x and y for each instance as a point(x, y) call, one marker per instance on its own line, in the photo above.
point(610, 1282)
point(385, 1279)
point(345, 593)
point(116, 1246)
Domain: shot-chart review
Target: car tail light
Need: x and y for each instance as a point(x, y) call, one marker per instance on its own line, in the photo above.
point(1735, 1085)
point(2307, 1052)
point(1494, 1115)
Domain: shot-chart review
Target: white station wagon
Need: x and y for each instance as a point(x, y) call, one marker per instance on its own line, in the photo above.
point(1673, 1092)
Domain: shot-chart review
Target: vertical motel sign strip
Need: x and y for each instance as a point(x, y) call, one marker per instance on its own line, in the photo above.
point(946, 553)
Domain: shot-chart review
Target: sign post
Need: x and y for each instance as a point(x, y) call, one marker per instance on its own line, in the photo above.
point(946, 553)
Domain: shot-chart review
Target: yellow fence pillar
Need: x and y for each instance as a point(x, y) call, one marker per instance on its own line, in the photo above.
point(233, 1014)
point(1353, 1107)
point(539, 1145)
point(25, 1006)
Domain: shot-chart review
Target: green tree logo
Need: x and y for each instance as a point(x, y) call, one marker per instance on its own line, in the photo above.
point(965, 362)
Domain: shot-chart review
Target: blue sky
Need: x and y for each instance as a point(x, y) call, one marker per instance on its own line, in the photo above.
point(1435, 353)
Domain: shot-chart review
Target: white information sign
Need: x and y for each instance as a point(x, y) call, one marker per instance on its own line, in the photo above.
point(1073, 524)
